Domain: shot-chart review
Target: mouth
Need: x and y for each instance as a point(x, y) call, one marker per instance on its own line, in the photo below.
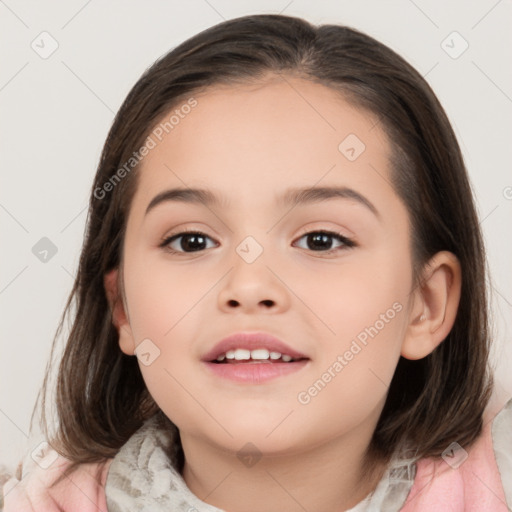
point(253, 358)
point(257, 356)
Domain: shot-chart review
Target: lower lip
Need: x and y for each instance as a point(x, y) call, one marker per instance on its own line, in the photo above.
point(255, 373)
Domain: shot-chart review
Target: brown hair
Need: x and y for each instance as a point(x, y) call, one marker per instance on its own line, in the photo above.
point(101, 398)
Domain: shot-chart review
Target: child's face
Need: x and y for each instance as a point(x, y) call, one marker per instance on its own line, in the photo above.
point(249, 146)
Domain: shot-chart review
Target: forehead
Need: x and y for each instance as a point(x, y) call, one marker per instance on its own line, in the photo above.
point(252, 140)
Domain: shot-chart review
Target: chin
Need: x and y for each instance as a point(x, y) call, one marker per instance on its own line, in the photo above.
point(260, 445)
point(267, 433)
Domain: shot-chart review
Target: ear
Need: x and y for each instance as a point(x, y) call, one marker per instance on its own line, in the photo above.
point(434, 306)
point(118, 309)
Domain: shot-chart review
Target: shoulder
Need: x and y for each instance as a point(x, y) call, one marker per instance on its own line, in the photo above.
point(476, 480)
point(82, 490)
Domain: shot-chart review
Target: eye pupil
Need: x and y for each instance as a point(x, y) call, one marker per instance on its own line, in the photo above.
point(320, 240)
point(191, 243)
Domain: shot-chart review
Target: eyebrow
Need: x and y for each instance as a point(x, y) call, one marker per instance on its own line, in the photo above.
point(297, 196)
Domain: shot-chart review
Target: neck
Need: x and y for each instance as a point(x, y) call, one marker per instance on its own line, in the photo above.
point(327, 477)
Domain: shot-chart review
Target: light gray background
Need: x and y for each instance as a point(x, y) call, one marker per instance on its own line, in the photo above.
point(56, 113)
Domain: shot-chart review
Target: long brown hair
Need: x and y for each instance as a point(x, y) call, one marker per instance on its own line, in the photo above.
point(101, 398)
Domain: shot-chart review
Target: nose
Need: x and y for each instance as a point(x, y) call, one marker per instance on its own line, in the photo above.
point(253, 288)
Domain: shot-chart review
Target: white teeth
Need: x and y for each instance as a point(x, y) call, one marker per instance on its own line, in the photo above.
point(260, 353)
point(242, 354)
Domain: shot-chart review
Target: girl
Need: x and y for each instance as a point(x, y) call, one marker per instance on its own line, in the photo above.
point(281, 297)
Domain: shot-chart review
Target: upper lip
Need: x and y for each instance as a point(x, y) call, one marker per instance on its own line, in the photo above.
point(251, 341)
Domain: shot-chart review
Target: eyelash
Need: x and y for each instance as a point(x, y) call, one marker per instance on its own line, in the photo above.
point(347, 242)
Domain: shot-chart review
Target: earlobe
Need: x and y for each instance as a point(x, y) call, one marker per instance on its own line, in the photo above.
point(119, 316)
point(435, 305)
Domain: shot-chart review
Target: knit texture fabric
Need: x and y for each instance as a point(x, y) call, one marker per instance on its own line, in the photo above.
point(142, 477)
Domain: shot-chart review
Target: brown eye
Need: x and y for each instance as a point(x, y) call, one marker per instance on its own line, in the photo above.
point(322, 241)
point(185, 242)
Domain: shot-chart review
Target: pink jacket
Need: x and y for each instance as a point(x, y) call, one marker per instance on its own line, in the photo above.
point(474, 486)
point(79, 493)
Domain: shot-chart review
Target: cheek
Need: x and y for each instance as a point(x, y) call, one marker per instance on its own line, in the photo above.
point(353, 373)
point(161, 297)
point(165, 307)
point(364, 305)
point(369, 288)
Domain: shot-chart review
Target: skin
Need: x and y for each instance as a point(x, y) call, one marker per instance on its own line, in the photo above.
point(250, 144)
